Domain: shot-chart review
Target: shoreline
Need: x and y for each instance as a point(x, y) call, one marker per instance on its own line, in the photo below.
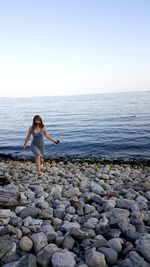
point(74, 159)
point(76, 214)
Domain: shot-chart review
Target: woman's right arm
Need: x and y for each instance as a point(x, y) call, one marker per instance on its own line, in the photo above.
point(27, 137)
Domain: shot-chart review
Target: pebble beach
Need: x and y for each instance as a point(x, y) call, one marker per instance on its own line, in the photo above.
point(76, 214)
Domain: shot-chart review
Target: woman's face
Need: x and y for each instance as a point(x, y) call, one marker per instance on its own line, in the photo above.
point(37, 122)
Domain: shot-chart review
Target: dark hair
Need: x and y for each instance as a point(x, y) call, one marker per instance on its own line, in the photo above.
point(37, 117)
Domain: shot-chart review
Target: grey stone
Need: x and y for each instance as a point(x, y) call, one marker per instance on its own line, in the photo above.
point(84, 185)
point(63, 258)
point(59, 241)
point(124, 203)
point(36, 222)
point(128, 230)
point(147, 186)
point(18, 209)
point(128, 247)
point(50, 232)
point(43, 205)
point(26, 243)
point(141, 200)
point(82, 265)
point(88, 208)
point(27, 221)
point(143, 246)
point(102, 227)
point(25, 230)
point(9, 197)
point(11, 255)
point(95, 259)
point(80, 211)
point(115, 243)
point(5, 213)
point(39, 240)
point(56, 223)
point(110, 204)
point(71, 210)
point(29, 260)
point(105, 176)
point(44, 256)
point(11, 229)
point(16, 222)
point(11, 264)
point(68, 225)
point(33, 212)
point(94, 214)
point(5, 247)
point(147, 195)
point(68, 242)
point(59, 213)
point(46, 214)
point(91, 223)
point(78, 233)
point(96, 188)
point(114, 233)
point(4, 221)
point(119, 214)
point(110, 254)
point(100, 241)
point(72, 192)
point(56, 191)
point(134, 260)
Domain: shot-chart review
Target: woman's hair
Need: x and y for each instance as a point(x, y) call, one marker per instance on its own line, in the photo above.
point(37, 118)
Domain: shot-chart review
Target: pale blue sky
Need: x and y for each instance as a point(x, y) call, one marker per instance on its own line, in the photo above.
point(74, 46)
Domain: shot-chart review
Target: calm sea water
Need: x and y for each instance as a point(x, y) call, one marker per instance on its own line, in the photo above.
point(105, 126)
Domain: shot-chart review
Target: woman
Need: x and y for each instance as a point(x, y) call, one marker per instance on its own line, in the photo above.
point(38, 130)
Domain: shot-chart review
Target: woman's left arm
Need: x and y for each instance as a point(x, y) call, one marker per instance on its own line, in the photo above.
point(50, 137)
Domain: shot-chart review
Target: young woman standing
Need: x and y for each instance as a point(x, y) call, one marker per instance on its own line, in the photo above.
point(38, 130)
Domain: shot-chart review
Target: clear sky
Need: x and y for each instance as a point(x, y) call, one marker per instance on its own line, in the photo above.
point(57, 47)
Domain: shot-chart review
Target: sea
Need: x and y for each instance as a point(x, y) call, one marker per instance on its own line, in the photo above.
point(99, 127)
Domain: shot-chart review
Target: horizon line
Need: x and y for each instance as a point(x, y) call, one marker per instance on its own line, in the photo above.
point(83, 94)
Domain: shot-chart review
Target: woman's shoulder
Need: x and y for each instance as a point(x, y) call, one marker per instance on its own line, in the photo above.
point(43, 128)
point(30, 129)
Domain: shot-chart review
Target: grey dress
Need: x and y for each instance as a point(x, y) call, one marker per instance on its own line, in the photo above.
point(37, 145)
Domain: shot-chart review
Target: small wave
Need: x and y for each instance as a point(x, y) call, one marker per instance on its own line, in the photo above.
point(138, 160)
point(127, 117)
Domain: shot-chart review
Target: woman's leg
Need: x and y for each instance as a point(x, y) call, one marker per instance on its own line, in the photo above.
point(41, 162)
point(38, 164)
